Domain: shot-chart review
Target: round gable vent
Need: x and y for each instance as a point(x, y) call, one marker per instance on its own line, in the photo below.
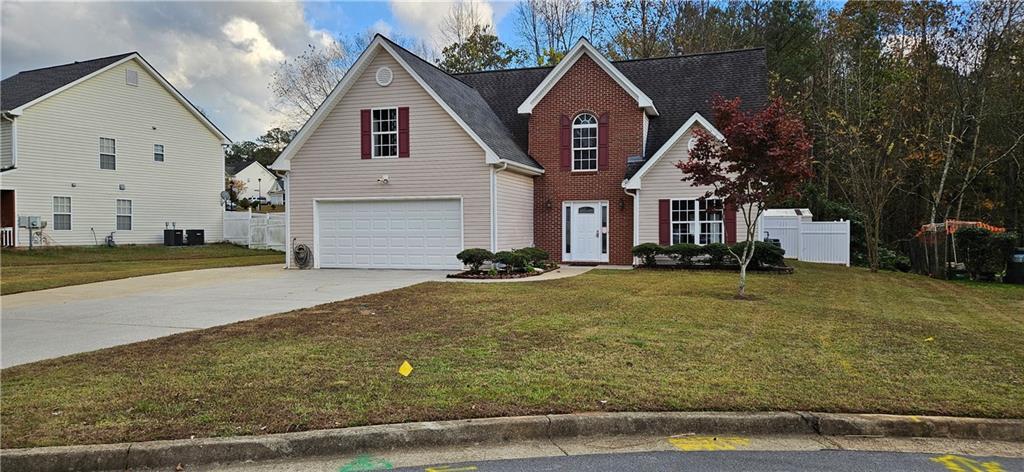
point(384, 76)
point(692, 143)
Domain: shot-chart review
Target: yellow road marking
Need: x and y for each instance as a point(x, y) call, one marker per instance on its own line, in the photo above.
point(448, 468)
point(963, 464)
point(708, 443)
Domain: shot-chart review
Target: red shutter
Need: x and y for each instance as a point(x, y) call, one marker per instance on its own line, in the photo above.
point(602, 142)
point(403, 132)
point(664, 235)
point(566, 142)
point(730, 222)
point(364, 132)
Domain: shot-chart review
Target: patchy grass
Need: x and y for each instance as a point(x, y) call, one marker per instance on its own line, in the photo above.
point(24, 271)
point(825, 339)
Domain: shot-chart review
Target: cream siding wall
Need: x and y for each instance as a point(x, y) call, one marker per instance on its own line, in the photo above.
point(6, 144)
point(253, 186)
point(515, 210)
point(58, 154)
point(663, 181)
point(444, 160)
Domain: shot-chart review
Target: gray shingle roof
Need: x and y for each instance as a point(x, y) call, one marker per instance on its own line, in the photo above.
point(678, 85)
point(29, 85)
point(467, 102)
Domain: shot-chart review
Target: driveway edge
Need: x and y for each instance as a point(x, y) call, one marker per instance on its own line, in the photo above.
point(193, 452)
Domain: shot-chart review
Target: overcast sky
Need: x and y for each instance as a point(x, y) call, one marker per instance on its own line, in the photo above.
point(220, 55)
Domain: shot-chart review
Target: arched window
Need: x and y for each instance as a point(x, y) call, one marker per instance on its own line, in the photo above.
point(584, 142)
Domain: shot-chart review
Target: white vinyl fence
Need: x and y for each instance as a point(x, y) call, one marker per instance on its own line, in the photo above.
point(812, 241)
point(255, 230)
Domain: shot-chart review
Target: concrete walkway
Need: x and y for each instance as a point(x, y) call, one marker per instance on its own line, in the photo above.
point(67, 320)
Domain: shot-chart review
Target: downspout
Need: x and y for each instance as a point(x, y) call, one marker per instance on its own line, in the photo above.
point(494, 203)
point(636, 216)
point(287, 220)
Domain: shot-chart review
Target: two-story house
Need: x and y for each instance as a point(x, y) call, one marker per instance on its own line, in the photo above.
point(106, 146)
point(404, 165)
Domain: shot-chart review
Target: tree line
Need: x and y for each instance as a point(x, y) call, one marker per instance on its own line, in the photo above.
point(915, 109)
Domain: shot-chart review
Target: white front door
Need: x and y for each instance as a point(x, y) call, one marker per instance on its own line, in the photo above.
point(586, 231)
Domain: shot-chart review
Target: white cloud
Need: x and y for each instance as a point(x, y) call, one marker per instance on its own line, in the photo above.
point(220, 55)
point(422, 19)
point(248, 35)
point(382, 27)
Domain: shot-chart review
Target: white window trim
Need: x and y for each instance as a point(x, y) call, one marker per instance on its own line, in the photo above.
point(162, 153)
point(101, 153)
point(695, 225)
point(71, 213)
point(572, 136)
point(130, 215)
point(374, 134)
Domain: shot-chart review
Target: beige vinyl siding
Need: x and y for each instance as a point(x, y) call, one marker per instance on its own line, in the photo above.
point(444, 160)
point(58, 154)
point(6, 144)
point(514, 209)
point(663, 181)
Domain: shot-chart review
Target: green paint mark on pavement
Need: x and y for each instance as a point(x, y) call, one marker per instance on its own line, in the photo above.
point(364, 463)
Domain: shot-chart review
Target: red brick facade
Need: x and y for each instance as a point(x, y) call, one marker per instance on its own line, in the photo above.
point(585, 87)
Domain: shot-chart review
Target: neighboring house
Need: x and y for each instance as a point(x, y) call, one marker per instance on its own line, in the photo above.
point(277, 193)
point(107, 146)
point(404, 165)
point(257, 179)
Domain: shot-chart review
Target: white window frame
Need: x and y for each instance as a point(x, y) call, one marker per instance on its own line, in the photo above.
point(113, 155)
point(575, 148)
point(70, 212)
point(696, 225)
point(118, 214)
point(161, 153)
point(374, 134)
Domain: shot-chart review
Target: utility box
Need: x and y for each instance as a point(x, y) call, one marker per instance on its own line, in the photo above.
point(174, 237)
point(1015, 267)
point(195, 236)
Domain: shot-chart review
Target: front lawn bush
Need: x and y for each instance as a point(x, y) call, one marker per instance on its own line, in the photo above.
point(765, 254)
point(683, 253)
point(475, 257)
point(717, 254)
point(647, 252)
point(536, 256)
point(513, 261)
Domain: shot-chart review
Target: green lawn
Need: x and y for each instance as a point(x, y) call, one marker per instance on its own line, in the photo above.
point(825, 338)
point(23, 271)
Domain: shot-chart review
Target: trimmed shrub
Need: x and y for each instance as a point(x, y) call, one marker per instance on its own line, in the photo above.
point(717, 253)
point(535, 255)
point(765, 254)
point(513, 261)
point(475, 257)
point(647, 252)
point(683, 253)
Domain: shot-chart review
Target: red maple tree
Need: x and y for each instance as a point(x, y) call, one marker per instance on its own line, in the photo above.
point(766, 155)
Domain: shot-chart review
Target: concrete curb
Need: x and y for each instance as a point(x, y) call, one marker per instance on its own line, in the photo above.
point(192, 452)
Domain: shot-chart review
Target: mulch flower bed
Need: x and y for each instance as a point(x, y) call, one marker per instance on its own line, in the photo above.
point(469, 274)
point(723, 268)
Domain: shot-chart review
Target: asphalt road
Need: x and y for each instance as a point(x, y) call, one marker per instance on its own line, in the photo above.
point(733, 461)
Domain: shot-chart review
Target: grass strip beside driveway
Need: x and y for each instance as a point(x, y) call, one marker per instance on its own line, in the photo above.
point(829, 339)
point(24, 271)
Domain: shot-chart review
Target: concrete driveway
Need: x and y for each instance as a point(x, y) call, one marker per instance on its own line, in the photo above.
point(61, 321)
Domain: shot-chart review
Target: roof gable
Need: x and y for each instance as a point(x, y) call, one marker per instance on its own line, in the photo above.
point(583, 47)
point(27, 86)
point(463, 103)
point(633, 180)
point(25, 89)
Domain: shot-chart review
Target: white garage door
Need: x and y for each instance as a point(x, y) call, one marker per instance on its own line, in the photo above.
point(395, 234)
